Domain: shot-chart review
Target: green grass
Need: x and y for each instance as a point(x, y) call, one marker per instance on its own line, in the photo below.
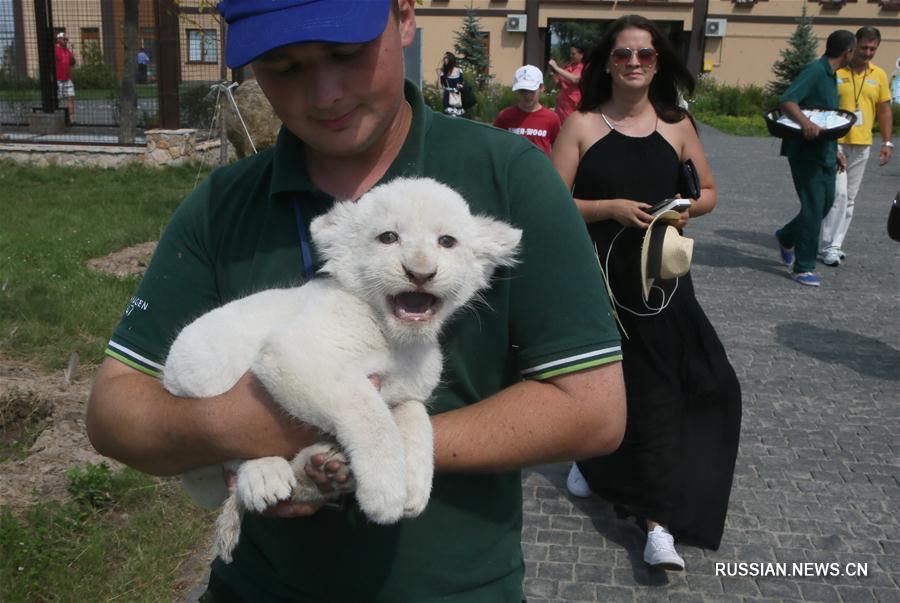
point(54, 220)
point(134, 549)
point(743, 125)
point(124, 536)
point(142, 91)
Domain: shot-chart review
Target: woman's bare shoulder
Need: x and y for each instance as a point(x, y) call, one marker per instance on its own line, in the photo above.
point(678, 134)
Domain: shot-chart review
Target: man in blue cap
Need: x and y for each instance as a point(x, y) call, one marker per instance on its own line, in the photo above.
point(531, 376)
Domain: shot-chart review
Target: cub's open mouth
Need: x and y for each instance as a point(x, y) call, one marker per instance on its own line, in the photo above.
point(414, 306)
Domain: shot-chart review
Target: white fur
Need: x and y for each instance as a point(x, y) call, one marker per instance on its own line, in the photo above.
point(313, 348)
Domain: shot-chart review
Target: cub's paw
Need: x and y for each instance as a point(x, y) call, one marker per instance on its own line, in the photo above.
point(418, 490)
point(263, 482)
point(382, 494)
point(340, 481)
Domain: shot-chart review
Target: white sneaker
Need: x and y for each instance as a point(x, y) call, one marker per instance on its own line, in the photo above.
point(660, 550)
point(831, 257)
point(576, 484)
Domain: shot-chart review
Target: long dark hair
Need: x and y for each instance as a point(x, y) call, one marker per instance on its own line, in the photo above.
point(447, 68)
point(671, 74)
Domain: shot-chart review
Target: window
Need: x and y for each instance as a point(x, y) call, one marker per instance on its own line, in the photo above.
point(90, 40)
point(203, 46)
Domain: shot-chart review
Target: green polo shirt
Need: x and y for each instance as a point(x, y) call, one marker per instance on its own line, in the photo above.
point(238, 233)
point(815, 86)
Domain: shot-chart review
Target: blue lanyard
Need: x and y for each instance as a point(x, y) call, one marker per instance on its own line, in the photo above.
point(305, 248)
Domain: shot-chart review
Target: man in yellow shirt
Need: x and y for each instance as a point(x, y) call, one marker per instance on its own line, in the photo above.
point(863, 89)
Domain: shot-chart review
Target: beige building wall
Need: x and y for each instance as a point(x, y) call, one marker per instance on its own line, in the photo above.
point(755, 35)
point(70, 16)
point(439, 24)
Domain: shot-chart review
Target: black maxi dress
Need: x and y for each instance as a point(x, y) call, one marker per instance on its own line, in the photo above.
point(676, 462)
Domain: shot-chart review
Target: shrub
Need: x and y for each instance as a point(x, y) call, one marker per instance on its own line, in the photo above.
point(197, 106)
point(10, 81)
point(491, 99)
point(93, 72)
point(739, 101)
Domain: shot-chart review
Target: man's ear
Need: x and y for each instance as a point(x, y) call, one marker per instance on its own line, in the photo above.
point(406, 17)
point(495, 242)
point(329, 230)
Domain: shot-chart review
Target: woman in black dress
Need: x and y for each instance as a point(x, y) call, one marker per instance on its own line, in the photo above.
point(621, 153)
point(450, 82)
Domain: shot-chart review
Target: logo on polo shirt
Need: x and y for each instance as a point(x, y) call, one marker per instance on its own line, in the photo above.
point(136, 303)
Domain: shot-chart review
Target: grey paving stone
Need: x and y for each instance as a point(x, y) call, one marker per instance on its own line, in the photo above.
point(824, 593)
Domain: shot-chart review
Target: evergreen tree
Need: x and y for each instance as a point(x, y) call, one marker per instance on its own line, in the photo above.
point(470, 50)
point(801, 51)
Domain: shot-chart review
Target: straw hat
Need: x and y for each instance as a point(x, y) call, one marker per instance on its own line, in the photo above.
point(665, 254)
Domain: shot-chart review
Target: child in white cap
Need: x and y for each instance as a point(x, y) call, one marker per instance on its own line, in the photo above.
point(528, 117)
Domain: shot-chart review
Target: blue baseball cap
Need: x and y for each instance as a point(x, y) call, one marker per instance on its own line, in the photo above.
point(257, 26)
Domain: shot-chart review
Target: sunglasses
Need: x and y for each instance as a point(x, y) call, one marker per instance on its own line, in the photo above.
point(646, 56)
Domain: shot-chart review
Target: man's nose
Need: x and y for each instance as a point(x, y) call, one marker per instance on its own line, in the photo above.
point(325, 87)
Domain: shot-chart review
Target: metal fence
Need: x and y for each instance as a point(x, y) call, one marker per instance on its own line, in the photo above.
point(131, 65)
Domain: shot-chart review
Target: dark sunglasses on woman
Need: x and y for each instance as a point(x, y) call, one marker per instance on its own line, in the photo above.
point(646, 56)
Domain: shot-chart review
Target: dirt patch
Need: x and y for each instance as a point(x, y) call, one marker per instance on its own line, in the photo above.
point(23, 416)
point(130, 261)
point(45, 419)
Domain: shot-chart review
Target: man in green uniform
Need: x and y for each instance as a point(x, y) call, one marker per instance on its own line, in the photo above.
point(532, 376)
point(813, 161)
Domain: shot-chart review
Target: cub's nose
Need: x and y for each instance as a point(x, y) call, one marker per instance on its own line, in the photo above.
point(418, 278)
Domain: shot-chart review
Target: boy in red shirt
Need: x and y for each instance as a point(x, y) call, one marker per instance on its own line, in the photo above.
point(528, 117)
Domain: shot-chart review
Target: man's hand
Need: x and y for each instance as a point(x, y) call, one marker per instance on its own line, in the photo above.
point(322, 469)
point(810, 130)
point(885, 155)
point(841, 162)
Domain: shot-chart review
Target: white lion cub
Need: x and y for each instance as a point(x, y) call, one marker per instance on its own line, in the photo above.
point(398, 263)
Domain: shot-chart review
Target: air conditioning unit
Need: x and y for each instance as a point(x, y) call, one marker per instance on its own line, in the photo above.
point(745, 2)
point(832, 3)
point(715, 28)
point(517, 23)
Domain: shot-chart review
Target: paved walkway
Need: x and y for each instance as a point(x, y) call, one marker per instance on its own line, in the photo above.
point(817, 472)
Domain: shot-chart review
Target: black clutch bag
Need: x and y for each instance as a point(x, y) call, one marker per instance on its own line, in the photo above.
point(688, 181)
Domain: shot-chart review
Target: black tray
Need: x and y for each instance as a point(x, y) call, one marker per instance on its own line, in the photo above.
point(783, 131)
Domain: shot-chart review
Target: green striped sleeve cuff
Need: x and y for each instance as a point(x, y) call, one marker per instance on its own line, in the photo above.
point(573, 364)
point(133, 359)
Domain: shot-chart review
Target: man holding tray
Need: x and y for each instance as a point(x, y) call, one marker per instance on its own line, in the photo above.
point(814, 162)
point(863, 89)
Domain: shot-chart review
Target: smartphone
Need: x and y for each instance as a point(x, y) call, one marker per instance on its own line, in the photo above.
point(670, 204)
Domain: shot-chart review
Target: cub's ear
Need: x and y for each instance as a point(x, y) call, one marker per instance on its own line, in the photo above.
point(495, 242)
point(330, 229)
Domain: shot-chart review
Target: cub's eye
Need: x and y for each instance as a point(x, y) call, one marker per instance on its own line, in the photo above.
point(388, 237)
point(446, 241)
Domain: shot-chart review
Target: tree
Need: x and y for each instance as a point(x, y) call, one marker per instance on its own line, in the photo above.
point(584, 33)
point(802, 49)
point(470, 48)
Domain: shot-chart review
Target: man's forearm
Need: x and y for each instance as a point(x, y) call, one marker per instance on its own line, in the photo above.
point(885, 121)
point(792, 110)
point(534, 422)
point(133, 419)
